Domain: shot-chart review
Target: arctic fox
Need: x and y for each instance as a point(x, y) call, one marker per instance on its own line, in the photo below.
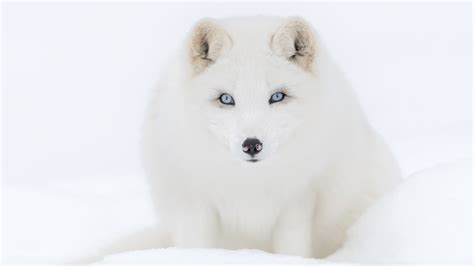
point(254, 139)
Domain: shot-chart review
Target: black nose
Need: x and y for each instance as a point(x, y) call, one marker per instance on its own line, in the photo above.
point(252, 146)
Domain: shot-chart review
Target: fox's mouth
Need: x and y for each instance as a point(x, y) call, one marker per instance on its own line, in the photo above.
point(253, 160)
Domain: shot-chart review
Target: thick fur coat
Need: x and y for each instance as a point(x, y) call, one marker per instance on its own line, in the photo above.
point(319, 166)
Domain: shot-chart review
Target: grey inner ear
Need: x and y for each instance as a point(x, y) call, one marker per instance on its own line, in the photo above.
point(204, 49)
point(299, 45)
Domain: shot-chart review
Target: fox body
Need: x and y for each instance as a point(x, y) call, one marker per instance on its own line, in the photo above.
point(254, 139)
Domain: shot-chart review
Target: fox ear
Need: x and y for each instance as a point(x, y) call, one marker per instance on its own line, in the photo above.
point(295, 41)
point(207, 42)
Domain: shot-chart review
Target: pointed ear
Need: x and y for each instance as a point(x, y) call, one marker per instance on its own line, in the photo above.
point(295, 41)
point(207, 42)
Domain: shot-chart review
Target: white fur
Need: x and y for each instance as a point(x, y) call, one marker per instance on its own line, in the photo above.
point(321, 163)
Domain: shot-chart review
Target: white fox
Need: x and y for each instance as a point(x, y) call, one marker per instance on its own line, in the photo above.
point(254, 139)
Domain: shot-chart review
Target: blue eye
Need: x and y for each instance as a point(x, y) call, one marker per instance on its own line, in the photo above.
point(277, 97)
point(226, 99)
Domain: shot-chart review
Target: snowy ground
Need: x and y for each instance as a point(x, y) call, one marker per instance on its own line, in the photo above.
point(75, 83)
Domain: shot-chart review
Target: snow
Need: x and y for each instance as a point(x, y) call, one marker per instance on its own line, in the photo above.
point(204, 256)
point(427, 219)
point(64, 221)
point(72, 185)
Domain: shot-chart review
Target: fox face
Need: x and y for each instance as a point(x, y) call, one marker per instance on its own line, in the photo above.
point(252, 93)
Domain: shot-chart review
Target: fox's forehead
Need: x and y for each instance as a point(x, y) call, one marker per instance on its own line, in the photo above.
point(255, 73)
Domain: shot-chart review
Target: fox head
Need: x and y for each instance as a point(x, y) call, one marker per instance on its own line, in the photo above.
point(252, 82)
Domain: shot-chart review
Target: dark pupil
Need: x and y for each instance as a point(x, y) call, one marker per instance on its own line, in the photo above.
point(226, 98)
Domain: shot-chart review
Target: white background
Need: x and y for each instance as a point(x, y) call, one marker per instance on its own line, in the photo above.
point(76, 76)
point(76, 79)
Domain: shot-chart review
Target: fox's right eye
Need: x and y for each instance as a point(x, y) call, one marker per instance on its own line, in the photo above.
point(226, 99)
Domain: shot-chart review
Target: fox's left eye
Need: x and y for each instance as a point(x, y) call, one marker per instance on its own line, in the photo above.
point(226, 99)
point(277, 97)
